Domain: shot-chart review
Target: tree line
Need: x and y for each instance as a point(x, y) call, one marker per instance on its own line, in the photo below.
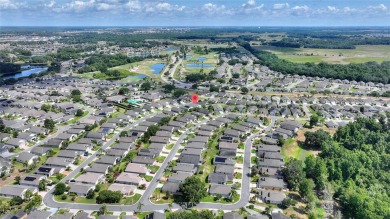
point(352, 167)
point(367, 72)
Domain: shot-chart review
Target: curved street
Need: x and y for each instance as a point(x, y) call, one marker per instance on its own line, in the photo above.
point(146, 204)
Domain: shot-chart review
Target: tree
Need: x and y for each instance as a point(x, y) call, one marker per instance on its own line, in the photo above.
point(123, 91)
point(35, 202)
point(314, 119)
point(287, 202)
point(2, 126)
point(293, 173)
point(146, 86)
point(193, 189)
point(76, 92)
point(103, 210)
point(16, 201)
point(107, 196)
point(214, 88)
point(79, 112)
point(59, 189)
point(28, 194)
point(179, 92)
point(164, 120)
point(306, 187)
point(42, 185)
point(168, 88)
point(315, 140)
point(90, 194)
point(123, 134)
point(139, 206)
point(17, 179)
point(244, 90)
point(46, 107)
point(49, 124)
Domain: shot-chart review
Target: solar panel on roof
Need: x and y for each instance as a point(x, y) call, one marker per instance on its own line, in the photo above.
point(28, 178)
point(220, 159)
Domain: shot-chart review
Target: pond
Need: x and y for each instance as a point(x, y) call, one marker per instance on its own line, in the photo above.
point(202, 59)
point(170, 49)
point(157, 68)
point(27, 70)
point(139, 76)
point(187, 58)
point(199, 65)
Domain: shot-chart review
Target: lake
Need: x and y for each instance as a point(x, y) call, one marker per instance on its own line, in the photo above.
point(157, 68)
point(139, 76)
point(199, 65)
point(28, 70)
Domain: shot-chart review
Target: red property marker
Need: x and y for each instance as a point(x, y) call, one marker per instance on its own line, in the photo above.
point(194, 98)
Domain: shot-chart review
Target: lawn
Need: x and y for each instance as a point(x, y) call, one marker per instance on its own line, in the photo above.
point(153, 168)
point(76, 118)
point(160, 159)
point(148, 178)
point(211, 199)
point(159, 197)
point(291, 149)
point(211, 58)
point(362, 53)
point(143, 67)
point(130, 200)
point(78, 199)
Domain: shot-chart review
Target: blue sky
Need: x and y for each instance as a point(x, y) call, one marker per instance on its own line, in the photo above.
point(194, 13)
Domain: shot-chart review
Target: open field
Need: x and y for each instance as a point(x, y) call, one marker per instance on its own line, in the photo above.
point(364, 53)
point(129, 72)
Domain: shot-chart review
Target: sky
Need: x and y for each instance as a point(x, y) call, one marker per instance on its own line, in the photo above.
point(194, 13)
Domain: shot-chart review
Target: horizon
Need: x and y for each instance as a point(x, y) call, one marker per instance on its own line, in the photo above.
point(179, 13)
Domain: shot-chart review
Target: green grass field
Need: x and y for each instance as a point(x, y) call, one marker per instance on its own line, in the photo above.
point(212, 58)
point(364, 53)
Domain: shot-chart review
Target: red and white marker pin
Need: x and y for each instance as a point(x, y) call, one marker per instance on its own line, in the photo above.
point(194, 98)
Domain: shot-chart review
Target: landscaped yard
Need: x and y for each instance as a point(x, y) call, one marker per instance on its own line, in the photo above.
point(130, 200)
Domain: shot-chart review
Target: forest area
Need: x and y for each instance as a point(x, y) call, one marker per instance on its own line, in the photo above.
point(367, 72)
point(353, 167)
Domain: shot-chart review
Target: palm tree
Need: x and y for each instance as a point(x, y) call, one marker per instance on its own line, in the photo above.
point(170, 206)
point(139, 207)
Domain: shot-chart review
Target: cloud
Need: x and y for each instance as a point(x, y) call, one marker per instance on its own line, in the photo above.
point(78, 6)
point(11, 4)
point(332, 9)
point(300, 8)
point(251, 6)
point(133, 5)
point(280, 6)
point(104, 6)
point(51, 4)
point(380, 7)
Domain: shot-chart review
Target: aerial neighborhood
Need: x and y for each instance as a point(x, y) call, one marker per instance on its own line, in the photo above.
point(183, 128)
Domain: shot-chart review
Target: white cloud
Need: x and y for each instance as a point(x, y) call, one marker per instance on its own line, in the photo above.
point(332, 9)
point(79, 6)
point(10, 4)
point(280, 6)
point(380, 7)
point(300, 8)
point(133, 5)
point(104, 6)
point(50, 4)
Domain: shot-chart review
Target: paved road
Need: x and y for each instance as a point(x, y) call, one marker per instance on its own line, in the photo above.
point(146, 203)
point(246, 179)
point(178, 83)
